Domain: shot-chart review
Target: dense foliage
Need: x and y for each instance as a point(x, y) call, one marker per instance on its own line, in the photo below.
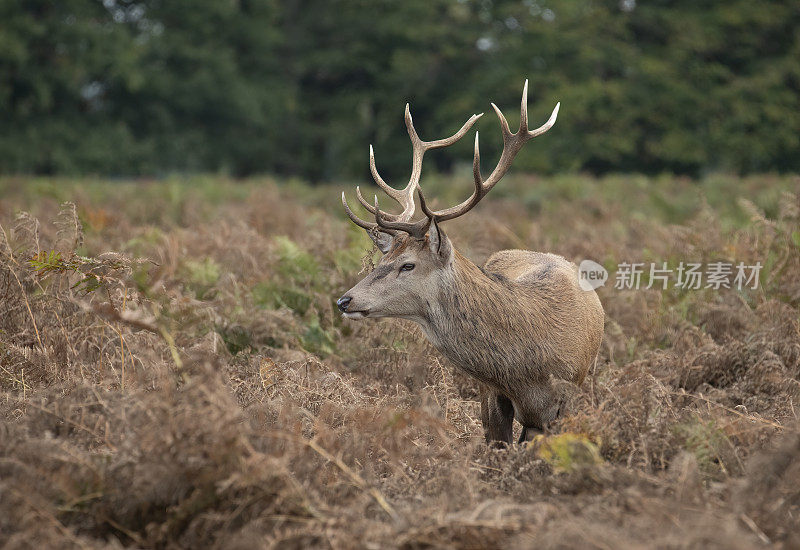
point(197, 388)
point(284, 86)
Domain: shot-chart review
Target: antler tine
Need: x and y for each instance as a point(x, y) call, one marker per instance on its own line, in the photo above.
point(424, 205)
point(363, 201)
point(438, 143)
point(370, 207)
point(523, 109)
point(369, 226)
point(415, 229)
point(507, 134)
point(523, 120)
point(477, 195)
point(547, 125)
point(420, 147)
point(512, 143)
point(476, 166)
point(396, 194)
point(404, 197)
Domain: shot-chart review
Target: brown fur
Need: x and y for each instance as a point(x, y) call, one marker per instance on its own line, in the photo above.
point(515, 325)
point(398, 247)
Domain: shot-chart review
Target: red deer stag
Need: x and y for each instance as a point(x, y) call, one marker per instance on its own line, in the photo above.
point(516, 324)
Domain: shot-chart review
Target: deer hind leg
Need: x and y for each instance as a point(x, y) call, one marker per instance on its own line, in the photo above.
point(528, 433)
point(543, 407)
point(497, 416)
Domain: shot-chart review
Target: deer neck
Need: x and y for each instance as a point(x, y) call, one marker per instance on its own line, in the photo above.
point(468, 310)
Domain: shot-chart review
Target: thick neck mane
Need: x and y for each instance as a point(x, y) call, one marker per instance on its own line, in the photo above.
point(478, 317)
point(477, 293)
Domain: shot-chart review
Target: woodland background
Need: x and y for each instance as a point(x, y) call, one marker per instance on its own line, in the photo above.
point(291, 87)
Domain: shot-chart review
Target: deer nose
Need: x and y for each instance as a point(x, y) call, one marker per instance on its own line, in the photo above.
point(343, 302)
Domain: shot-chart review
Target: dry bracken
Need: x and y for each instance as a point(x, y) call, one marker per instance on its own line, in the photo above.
point(197, 388)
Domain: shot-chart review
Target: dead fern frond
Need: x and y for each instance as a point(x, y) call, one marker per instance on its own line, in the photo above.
point(70, 229)
point(25, 233)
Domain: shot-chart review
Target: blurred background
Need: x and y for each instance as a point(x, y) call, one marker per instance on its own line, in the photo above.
point(300, 88)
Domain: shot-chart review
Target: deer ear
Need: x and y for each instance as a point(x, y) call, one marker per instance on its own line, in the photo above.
point(382, 240)
point(439, 243)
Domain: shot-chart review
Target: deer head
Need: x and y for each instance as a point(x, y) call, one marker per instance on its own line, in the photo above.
point(418, 256)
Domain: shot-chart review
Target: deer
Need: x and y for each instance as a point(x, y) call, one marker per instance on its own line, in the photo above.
point(519, 324)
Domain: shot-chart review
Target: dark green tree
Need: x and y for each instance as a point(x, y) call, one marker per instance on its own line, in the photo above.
point(302, 87)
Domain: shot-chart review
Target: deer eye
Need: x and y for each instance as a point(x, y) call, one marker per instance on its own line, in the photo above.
point(406, 267)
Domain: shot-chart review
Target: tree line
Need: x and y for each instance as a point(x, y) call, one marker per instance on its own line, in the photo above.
point(301, 87)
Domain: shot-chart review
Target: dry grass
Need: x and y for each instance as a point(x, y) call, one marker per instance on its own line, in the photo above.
point(177, 376)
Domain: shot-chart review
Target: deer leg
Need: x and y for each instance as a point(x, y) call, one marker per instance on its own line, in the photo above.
point(528, 433)
point(497, 416)
point(543, 407)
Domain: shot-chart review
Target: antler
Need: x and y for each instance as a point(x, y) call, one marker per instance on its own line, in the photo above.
point(512, 143)
point(391, 223)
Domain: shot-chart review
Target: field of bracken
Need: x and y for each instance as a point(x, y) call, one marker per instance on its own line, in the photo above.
point(174, 373)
